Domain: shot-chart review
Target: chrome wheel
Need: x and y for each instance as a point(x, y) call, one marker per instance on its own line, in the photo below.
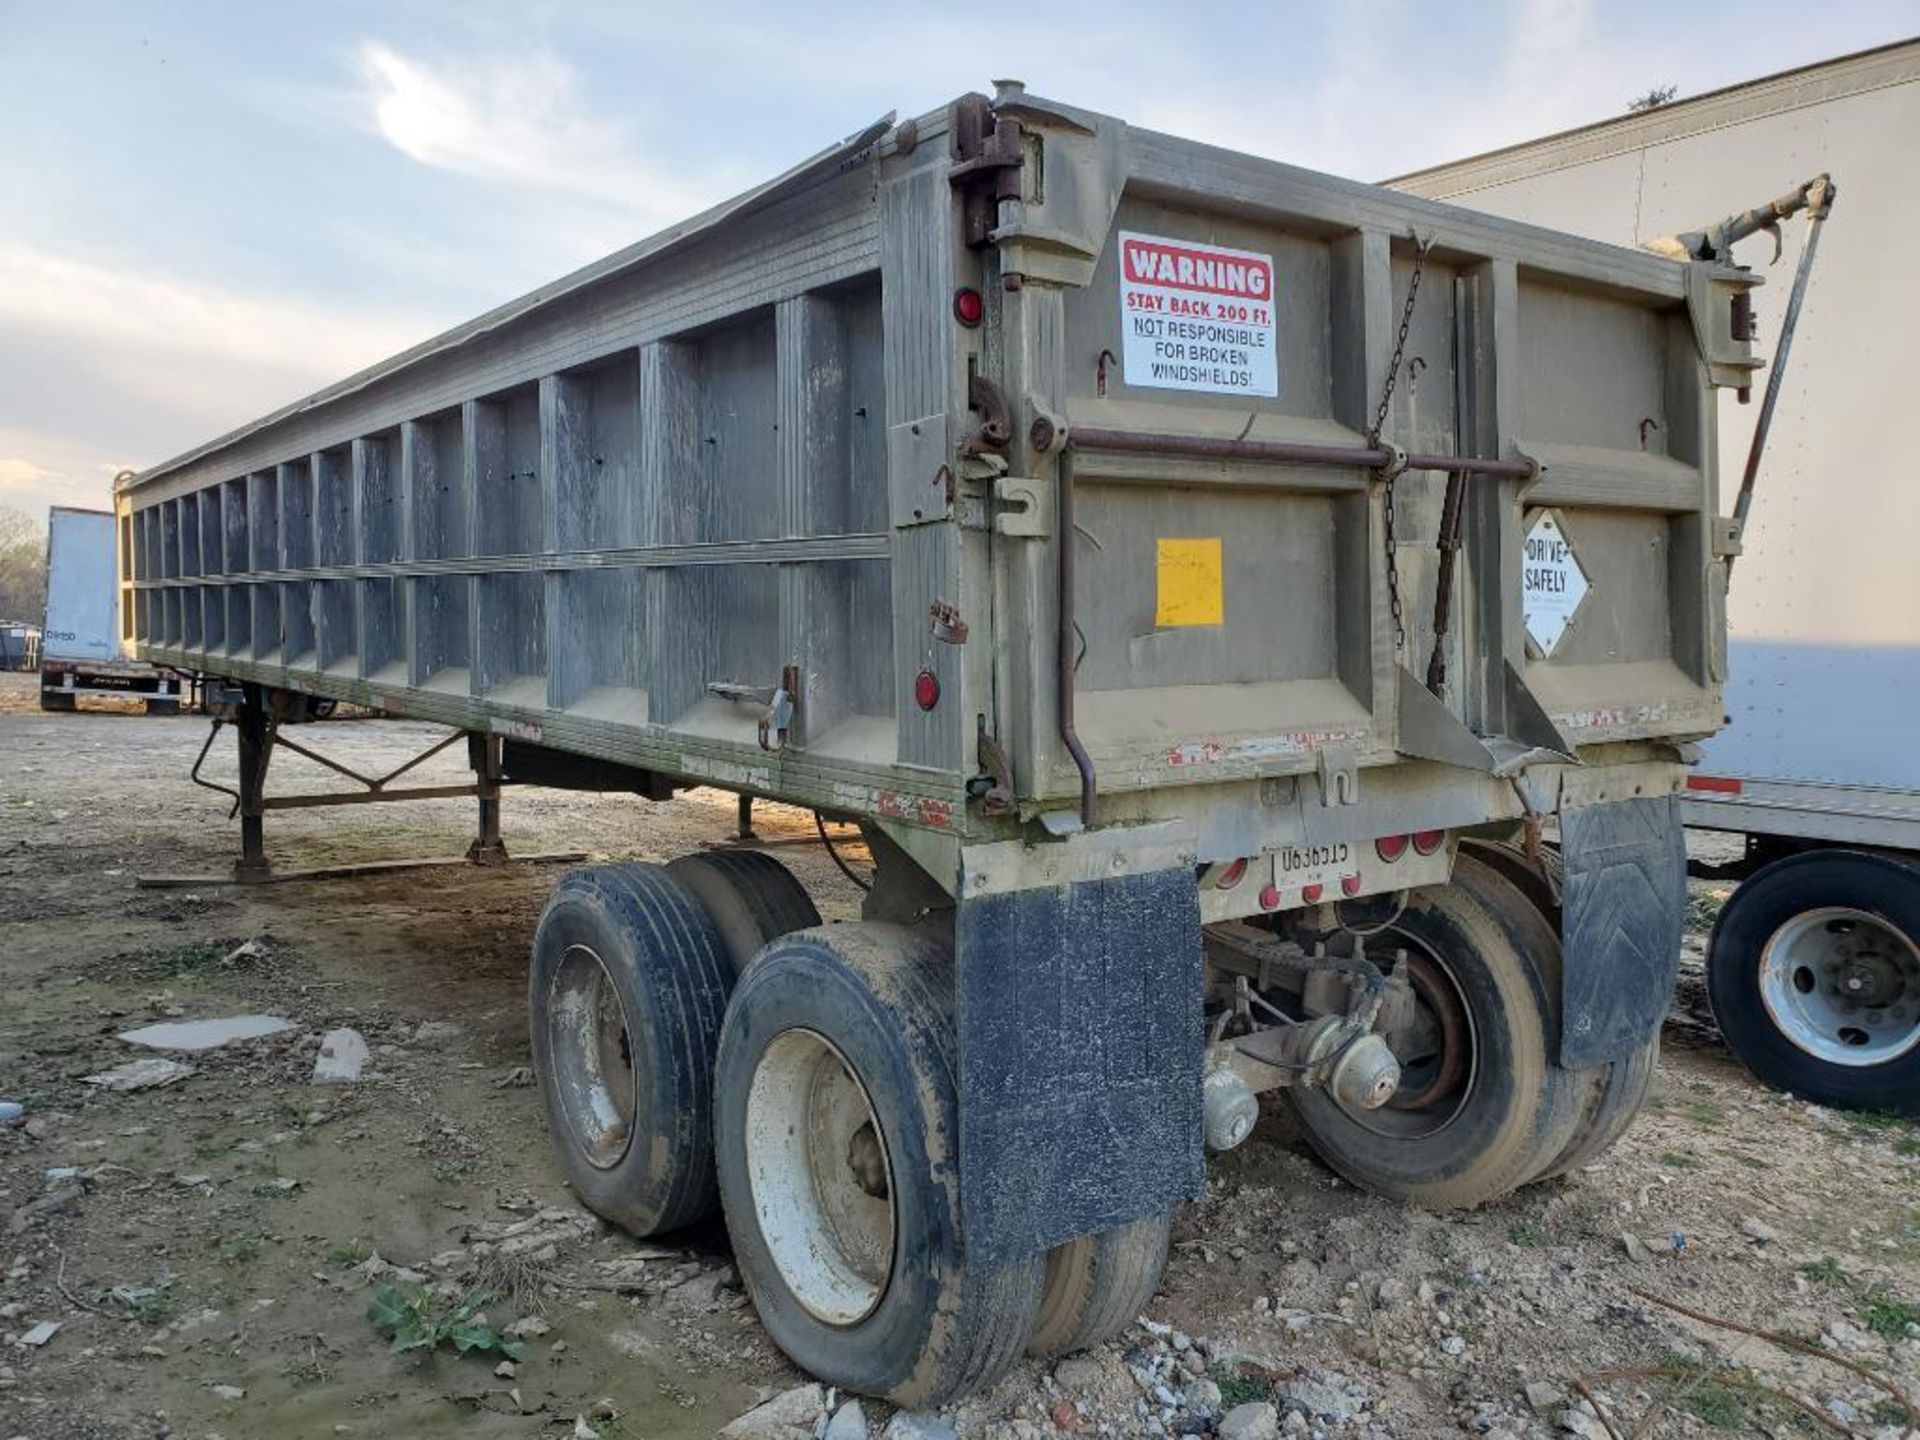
point(1843, 985)
point(592, 1063)
point(820, 1177)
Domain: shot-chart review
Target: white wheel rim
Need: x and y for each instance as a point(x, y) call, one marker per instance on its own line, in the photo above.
point(1843, 985)
point(593, 1072)
point(816, 1156)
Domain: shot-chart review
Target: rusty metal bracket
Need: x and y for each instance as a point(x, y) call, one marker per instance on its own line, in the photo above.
point(996, 796)
point(995, 429)
point(990, 152)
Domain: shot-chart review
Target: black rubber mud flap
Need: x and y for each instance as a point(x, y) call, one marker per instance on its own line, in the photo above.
point(1624, 905)
point(1081, 1039)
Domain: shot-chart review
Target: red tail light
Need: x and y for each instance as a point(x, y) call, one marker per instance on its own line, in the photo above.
point(968, 308)
point(1425, 842)
point(1391, 847)
point(1311, 893)
point(1350, 884)
point(926, 689)
point(1232, 875)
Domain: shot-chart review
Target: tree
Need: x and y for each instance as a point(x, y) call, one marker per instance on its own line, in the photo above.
point(1654, 98)
point(23, 567)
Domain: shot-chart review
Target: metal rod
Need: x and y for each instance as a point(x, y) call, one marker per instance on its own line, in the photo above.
point(1819, 205)
point(367, 797)
point(1068, 631)
point(1285, 452)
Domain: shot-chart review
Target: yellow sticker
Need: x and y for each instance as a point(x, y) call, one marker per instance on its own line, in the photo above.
point(1191, 591)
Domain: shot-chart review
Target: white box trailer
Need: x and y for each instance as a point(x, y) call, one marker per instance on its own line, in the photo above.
point(1815, 963)
point(80, 639)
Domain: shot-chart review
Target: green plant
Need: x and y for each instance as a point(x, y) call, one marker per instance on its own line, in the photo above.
point(242, 1250)
point(349, 1253)
point(150, 1307)
point(1528, 1236)
point(1703, 909)
point(1721, 1406)
point(1826, 1271)
point(418, 1319)
point(1879, 1122)
point(1237, 1388)
point(1679, 1160)
point(1887, 1317)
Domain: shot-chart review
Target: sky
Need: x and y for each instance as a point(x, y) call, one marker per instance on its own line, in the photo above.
point(210, 209)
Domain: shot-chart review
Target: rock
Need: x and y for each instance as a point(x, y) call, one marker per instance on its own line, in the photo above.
point(193, 1182)
point(246, 952)
point(51, 1203)
point(1390, 1293)
point(1581, 1420)
point(582, 1430)
point(1754, 1228)
point(61, 1174)
point(435, 1032)
point(1636, 1249)
point(1202, 1394)
point(205, 1034)
point(1841, 1410)
point(40, 1334)
point(12, 1112)
point(343, 1055)
point(149, 1074)
point(228, 1392)
point(785, 1415)
point(1318, 1398)
point(1256, 1420)
point(1543, 1397)
point(507, 1370)
point(905, 1425)
point(1180, 1340)
point(1078, 1373)
point(1454, 1345)
point(849, 1423)
point(527, 1327)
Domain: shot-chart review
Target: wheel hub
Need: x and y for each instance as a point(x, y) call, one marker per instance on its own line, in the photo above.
point(592, 1057)
point(821, 1178)
point(1843, 985)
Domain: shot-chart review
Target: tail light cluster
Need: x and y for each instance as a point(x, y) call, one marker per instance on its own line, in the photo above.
point(1422, 842)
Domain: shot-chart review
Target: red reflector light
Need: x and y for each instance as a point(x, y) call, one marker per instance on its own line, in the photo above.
point(926, 689)
point(1232, 875)
point(1391, 847)
point(1428, 841)
point(968, 308)
point(1714, 784)
point(1269, 898)
point(1311, 893)
point(1349, 884)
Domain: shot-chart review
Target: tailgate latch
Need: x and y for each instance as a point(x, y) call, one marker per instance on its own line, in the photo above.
point(1339, 775)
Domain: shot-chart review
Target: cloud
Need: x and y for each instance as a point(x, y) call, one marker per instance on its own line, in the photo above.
point(521, 120)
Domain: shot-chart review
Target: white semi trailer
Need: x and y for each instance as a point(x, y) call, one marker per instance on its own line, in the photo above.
point(1814, 967)
point(80, 642)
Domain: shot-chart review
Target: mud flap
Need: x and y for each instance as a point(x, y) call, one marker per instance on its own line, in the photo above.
point(1081, 1038)
point(1624, 905)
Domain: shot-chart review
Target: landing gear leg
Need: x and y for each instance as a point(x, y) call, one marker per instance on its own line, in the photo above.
point(483, 752)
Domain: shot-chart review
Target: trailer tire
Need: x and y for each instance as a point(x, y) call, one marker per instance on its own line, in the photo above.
point(837, 1130)
point(628, 985)
point(1617, 1090)
point(750, 897)
point(53, 700)
point(1790, 937)
point(1097, 1285)
point(1488, 1110)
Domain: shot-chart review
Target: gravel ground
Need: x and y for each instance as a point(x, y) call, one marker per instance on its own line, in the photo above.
point(209, 1249)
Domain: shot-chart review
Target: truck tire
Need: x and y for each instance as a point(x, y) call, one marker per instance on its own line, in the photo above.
point(1484, 1110)
point(1616, 1091)
point(1813, 972)
point(837, 1127)
point(54, 700)
point(1097, 1285)
point(750, 897)
point(628, 985)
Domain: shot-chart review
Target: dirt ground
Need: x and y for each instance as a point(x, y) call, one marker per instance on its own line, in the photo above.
point(210, 1249)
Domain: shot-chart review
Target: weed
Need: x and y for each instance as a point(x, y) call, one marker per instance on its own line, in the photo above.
point(242, 1250)
point(150, 1307)
point(1892, 1412)
point(1703, 908)
point(1753, 1162)
point(1704, 1112)
point(1825, 1272)
point(349, 1253)
point(1679, 1160)
point(1721, 1406)
point(1880, 1122)
point(1237, 1388)
point(1530, 1237)
point(1887, 1317)
point(420, 1320)
point(1907, 1145)
point(305, 1372)
point(448, 1172)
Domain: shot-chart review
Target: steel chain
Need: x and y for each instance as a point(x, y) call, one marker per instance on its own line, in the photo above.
point(1388, 474)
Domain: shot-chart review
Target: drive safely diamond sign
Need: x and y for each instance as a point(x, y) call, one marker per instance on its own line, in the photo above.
point(1197, 317)
point(1552, 584)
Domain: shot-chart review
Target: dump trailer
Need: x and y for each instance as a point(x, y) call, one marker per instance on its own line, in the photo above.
point(1200, 578)
point(1814, 964)
point(80, 641)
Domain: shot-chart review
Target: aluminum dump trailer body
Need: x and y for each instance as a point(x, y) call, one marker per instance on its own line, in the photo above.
point(778, 501)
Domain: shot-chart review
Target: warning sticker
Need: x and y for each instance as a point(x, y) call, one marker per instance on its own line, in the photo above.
point(1190, 588)
point(1552, 584)
point(1197, 317)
